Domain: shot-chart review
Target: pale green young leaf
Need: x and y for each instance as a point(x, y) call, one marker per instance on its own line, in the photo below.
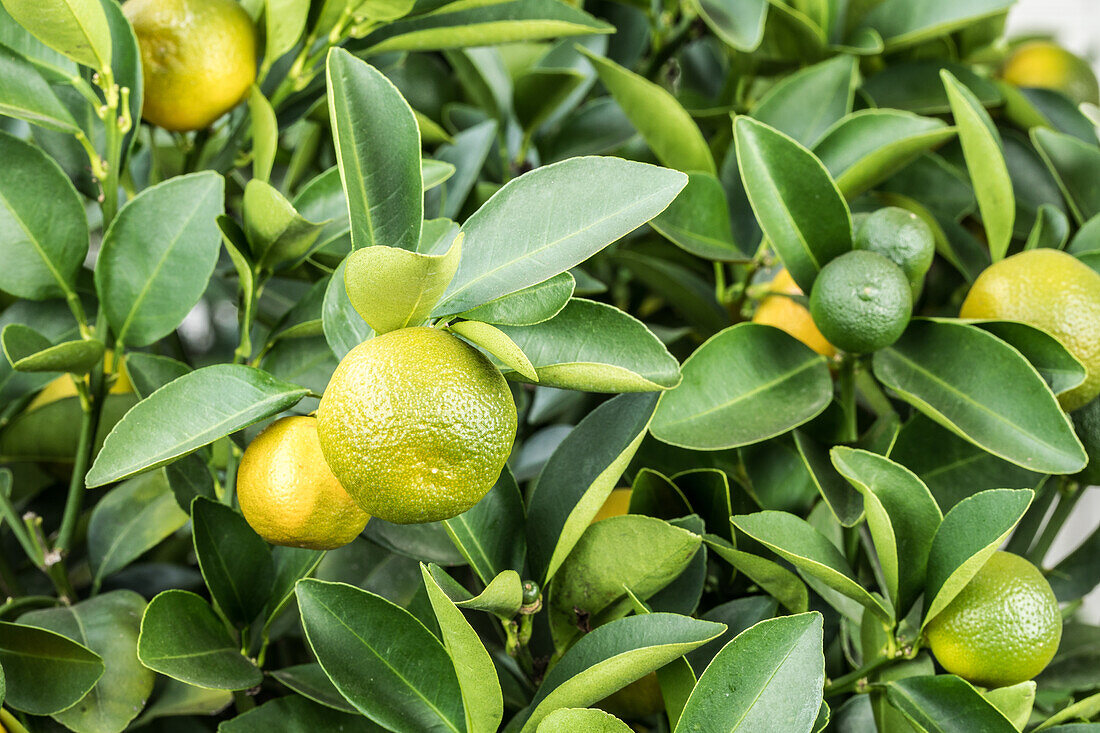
point(278, 236)
point(76, 28)
point(284, 21)
point(497, 343)
point(265, 134)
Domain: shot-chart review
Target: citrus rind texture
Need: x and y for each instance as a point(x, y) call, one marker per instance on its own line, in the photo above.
point(861, 301)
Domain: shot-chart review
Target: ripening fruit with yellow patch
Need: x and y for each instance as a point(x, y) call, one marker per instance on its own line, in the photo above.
point(616, 504)
point(789, 315)
point(1047, 65)
point(288, 494)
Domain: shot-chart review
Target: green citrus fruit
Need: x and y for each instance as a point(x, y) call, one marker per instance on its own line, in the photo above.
point(1053, 291)
point(416, 424)
point(1002, 628)
point(198, 59)
point(289, 495)
point(901, 237)
point(789, 315)
point(861, 301)
point(1049, 66)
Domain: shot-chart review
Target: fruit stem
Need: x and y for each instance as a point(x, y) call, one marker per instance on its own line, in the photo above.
point(1068, 495)
point(847, 385)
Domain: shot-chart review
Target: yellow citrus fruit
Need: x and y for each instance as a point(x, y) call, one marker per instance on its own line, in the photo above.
point(198, 59)
point(416, 424)
point(1002, 628)
point(289, 495)
point(789, 315)
point(63, 386)
point(1049, 66)
point(861, 301)
point(616, 504)
point(1053, 291)
point(640, 699)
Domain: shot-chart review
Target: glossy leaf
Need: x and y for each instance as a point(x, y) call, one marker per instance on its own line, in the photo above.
point(490, 535)
point(235, 562)
point(1059, 368)
point(526, 307)
point(43, 229)
point(343, 327)
point(981, 145)
point(496, 342)
point(467, 154)
point(284, 21)
point(294, 714)
point(278, 236)
point(26, 95)
point(108, 625)
point(567, 720)
point(845, 503)
point(1075, 166)
point(795, 200)
point(196, 409)
point(903, 24)
point(698, 220)
point(934, 703)
point(158, 255)
point(580, 475)
point(310, 681)
point(739, 23)
point(29, 351)
point(183, 638)
point(384, 661)
point(916, 86)
point(563, 214)
point(1051, 229)
point(45, 672)
point(597, 348)
point(774, 579)
point(901, 514)
point(770, 677)
point(932, 366)
point(76, 28)
point(265, 134)
point(968, 536)
point(744, 385)
point(666, 126)
point(502, 597)
point(378, 149)
point(828, 88)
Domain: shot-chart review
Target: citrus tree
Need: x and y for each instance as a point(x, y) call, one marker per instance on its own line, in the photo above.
point(474, 366)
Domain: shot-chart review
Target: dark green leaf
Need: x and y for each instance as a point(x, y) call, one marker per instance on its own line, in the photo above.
point(235, 562)
point(490, 535)
point(698, 220)
point(946, 704)
point(826, 88)
point(309, 680)
point(902, 23)
point(293, 714)
point(45, 672)
point(1075, 167)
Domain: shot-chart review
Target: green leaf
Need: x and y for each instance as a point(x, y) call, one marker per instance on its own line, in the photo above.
point(150, 372)
point(698, 220)
point(393, 288)
point(158, 255)
point(959, 376)
point(196, 409)
point(467, 154)
point(797, 542)
point(945, 704)
point(1075, 167)
point(496, 342)
point(435, 172)
point(596, 347)
point(132, 518)
point(477, 678)
point(664, 124)
point(867, 147)
point(985, 162)
point(770, 677)
point(502, 597)
point(291, 565)
point(568, 720)
point(384, 661)
point(551, 219)
point(43, 229)
point(309, 680)
point(26, 95)
point(343, 327)
point(278, 236)
point(902, 23)
point(746, 384)
point(265, 135)
point(76, 28)
point(612, 656)
point(1015, 702)
point(29, 351)
point(739, 23)
point(182, 638)
point(541, 91)
point(1051, 229)
point(845, 504)
point(460, 25)
point(284, 21)
point(1084, 709)
point(916, 86)
point(378, 150)
point(630, 551)
point(23, 43)
point(774, 579)
point(293, 714)
point(45, 672)
point(526, 307)
point(490, 535)
point(579, 476)
point(901, 514)
point(827, 88)
point(180, 698)
point(108, 625)
point(235, 562)
point(796, 201)
point(1058, 367)
point(968, 536)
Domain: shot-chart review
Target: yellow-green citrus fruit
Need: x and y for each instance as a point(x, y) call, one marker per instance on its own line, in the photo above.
point(1002, 628)
point(616, 504)
point(198, 59)
point(1049, 66)
point(789, 315)
point(288, 494)
point(1052, 291)
point(416, 424)
point(861, 301)
point(901, 237)
point(640, 699)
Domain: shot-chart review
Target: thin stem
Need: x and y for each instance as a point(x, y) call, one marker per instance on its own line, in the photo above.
point(8, 513)
point(73, 502)
point(846, 385)
point(18, 604)
point(10, 724)
point(850, 681)
point(1068, 495)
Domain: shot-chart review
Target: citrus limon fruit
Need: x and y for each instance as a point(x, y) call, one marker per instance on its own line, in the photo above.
point(288, 494)
point(1049, 66)
point(1052, 291)
point(789, 315)
point(903, 238)
point(198, 59)
point(861, 301)
point(416, 424)
point(1002, 628)
point(616, 504)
